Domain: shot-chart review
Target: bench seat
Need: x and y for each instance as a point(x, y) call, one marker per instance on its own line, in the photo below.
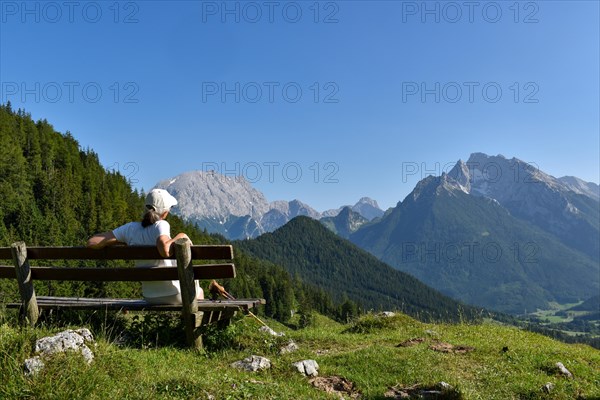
point(82, 303)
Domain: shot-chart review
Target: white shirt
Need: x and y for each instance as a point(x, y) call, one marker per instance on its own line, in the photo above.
point(134, 234)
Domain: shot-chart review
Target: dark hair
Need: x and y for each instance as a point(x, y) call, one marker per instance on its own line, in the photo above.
point(150, 217)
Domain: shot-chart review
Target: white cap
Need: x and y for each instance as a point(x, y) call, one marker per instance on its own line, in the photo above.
point(160, 200)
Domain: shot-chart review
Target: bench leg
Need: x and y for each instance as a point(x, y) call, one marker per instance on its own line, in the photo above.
point(225, 319)
point(194, 336)
point(29, 312)
point(191, 316)
point(221, 317)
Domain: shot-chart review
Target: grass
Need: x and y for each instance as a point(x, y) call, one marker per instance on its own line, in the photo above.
point(364, 352)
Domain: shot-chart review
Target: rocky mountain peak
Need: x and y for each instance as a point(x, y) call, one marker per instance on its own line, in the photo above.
point(232, 207)
point(460, 173)
point(367, 200)
point(432, 186)
point(555, 205)
point(214, 195)
point(580, 186)
point(366, 207)
point(426, 186)
point(294, 208)
point(498, 177)
point(449, 184)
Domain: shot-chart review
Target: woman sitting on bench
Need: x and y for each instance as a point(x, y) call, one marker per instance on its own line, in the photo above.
point(153, 230)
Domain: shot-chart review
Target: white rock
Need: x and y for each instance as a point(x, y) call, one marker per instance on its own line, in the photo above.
point(387, 314)
point(270, 331)
point(33, 365)
point(66, 340)
point(289, 348)
point(564, 371)
point(307, 367)
point(87, 354)
point(85, 334)
point(253, 363)
point(548, 387)
point(69, 340)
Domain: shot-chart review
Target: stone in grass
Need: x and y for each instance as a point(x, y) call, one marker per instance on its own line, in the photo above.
point(33, 365)
point(289, 348)
point(387, 314)
point(270, 331)
point(68, 340)
point(307, 367)
point(563, 371)
point(548, 387)
point(252, 363)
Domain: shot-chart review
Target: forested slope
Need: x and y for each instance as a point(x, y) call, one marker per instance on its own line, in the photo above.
point(307, 249)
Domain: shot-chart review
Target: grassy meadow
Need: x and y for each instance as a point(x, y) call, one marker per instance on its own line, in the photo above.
point(136, 360)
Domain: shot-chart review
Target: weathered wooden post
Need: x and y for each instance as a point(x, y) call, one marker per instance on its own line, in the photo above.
point(192, 318)
point(29, 310)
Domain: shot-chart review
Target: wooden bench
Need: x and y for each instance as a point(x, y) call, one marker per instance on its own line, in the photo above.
point(195, 312)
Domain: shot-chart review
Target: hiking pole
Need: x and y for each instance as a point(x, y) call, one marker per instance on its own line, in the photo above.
point(215, 290)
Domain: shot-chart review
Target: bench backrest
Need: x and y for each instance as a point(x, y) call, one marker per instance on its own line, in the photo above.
point(211, 252)
point(204, 271)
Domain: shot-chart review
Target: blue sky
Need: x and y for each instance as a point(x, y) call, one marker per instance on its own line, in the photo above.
point(324, 101)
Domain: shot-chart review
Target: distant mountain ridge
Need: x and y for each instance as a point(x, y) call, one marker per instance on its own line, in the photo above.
point(490, 237)
point(366, 207)
point(232, 207)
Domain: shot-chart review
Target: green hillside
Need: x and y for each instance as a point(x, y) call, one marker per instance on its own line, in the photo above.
point(470, 248)
point(498, 363)
point(304, 247)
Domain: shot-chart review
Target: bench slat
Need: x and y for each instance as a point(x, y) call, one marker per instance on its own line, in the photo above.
point(206, 271)
point(202, 252)
point(137, 304)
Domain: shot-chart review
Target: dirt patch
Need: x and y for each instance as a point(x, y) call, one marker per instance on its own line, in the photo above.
point(336, 385)
point(444, 347)
point(411, 342)
point(441, 391)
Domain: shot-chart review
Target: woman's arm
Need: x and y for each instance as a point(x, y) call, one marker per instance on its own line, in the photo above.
point(102, 240)
point(163, 243)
